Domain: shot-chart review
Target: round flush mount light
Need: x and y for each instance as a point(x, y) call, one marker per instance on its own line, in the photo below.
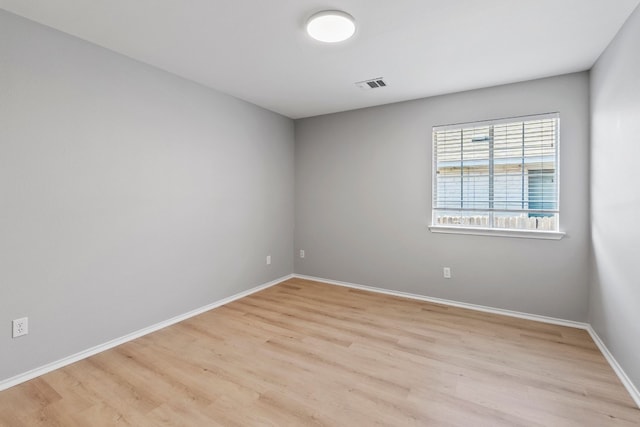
point(331, 26)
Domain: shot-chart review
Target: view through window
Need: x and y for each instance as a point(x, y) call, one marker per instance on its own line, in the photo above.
point(497, 174)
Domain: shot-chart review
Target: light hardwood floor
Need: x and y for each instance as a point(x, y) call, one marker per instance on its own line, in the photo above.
point(306, 353)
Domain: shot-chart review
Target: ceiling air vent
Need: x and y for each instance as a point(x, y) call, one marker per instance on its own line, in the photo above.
point(372, 83)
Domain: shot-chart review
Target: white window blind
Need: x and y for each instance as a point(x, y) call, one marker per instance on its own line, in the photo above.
point(500, 174)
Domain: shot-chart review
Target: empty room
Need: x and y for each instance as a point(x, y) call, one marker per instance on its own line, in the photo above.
point(308, 213)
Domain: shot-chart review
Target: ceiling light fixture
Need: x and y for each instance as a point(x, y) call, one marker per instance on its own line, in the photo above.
point(331, 26)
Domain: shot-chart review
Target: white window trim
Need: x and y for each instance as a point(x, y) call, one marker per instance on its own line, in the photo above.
point(499, 232)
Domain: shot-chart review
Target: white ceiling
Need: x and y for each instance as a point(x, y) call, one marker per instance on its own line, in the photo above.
point(257, 50)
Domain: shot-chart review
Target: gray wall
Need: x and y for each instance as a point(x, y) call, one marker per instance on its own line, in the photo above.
point(363, 200)
point(127, 195)
point(615, 198)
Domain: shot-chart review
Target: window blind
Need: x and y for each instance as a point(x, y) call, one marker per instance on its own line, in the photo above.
point(497, 174)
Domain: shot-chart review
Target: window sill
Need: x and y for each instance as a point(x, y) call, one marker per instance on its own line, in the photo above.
point(499, 232)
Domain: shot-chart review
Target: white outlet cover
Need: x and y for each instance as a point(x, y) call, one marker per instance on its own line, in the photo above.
point(268, 259)
point(20, 327)
point(301, 253)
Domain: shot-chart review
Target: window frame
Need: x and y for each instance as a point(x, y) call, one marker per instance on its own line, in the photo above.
point(494, 231)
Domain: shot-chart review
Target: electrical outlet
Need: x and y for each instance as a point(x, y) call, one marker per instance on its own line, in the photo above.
point(20, 327)
point(268, 259)
point(446, 272)
point(301, 253)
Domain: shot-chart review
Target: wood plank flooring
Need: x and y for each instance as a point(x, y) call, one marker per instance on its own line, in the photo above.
point(304, 353)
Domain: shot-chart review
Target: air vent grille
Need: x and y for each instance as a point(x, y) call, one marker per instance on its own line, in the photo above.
point(376, 83)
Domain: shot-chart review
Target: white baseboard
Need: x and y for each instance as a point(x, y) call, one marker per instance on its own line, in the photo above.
point(538, 318)
point(628, 384)
point(26, 376)
point(626, 381)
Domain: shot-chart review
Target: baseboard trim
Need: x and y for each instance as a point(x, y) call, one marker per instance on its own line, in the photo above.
point(628, 384)
point(626, 381)
point(36, 372)
point(476, 307)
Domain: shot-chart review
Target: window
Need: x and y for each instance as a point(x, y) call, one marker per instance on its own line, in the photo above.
point(497, 175)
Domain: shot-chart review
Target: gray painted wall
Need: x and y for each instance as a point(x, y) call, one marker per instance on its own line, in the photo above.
point(127, 195)
point(614, 309)
point(363, 200)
